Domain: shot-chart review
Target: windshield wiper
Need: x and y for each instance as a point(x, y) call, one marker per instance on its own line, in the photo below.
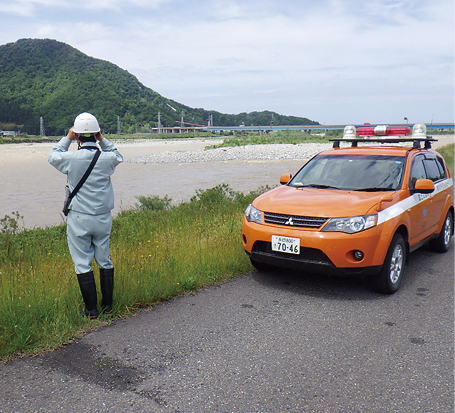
point(319, 186)
point(374, 189)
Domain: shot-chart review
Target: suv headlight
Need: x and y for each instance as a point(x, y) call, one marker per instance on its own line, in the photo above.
point(351, 225)
point(253, 214)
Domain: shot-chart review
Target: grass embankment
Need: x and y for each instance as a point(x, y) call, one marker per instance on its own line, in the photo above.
point(158, 251)
point(289, 137)
point(448, 153)
point(120, 137)
point(278, 137)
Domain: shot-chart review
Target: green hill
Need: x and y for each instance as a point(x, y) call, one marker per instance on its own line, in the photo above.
point(50, 79)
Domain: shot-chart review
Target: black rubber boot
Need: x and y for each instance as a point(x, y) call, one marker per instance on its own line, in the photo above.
point(107, 288)
point(88, 290)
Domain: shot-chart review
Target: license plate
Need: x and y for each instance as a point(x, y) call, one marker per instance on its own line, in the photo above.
point(286, 244)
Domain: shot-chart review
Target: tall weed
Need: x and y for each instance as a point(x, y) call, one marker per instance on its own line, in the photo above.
point(447, 152)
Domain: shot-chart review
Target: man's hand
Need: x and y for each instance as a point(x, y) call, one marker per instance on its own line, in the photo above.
point(99, 136)
point(71, 135)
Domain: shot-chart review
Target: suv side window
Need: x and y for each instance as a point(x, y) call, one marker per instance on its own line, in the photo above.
point(434, 171)
point(417, 170)
point(441, 167)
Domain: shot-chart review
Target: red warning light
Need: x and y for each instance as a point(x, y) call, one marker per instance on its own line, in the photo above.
point(383, 130)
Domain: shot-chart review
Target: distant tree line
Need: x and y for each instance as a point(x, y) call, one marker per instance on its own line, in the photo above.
point(49, 79)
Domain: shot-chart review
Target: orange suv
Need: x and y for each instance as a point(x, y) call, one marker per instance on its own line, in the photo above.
point(357, 210)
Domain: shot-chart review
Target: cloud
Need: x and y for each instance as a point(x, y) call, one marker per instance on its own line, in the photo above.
point(24, 8)
point(297, 56)
point(46, 6)
point(120, 6)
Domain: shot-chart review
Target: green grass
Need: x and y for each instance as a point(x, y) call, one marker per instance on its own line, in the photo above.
point(158, 252)
point(121, 137)
point(448, 153)
point(278, 137)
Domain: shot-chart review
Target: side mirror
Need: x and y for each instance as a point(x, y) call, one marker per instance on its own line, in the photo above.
point(384, 199)
point(285, 178)
point(424, 186)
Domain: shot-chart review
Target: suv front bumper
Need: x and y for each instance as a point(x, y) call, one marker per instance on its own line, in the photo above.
point(310, 260)
point(322, 252)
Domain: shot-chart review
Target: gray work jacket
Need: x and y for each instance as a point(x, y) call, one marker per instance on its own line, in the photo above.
point(96, 196)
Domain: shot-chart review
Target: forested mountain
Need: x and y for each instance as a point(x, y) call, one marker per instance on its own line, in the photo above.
point(49, 79)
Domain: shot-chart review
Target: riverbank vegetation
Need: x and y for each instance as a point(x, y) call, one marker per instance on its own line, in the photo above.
point(238, 138)
point(115, 137)
point(159, 251)
point(448, 152)
point(278, 137)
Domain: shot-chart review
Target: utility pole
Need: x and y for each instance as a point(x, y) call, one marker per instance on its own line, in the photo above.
point(119, 131)
point(181, 119)
point(210, 121)
point(41, 127)
point(159, 122)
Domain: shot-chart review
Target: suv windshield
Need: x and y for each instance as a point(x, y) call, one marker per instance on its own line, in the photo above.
point(352, 172)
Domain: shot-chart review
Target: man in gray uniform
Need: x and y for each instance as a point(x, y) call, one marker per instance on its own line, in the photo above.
point(89, 220)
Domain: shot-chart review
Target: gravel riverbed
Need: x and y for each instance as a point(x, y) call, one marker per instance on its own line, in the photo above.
point(237, 153)
point(198, 152)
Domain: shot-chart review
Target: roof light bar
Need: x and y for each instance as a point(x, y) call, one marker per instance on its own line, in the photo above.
point(384, 130)
point(419, 131)
point(386, 134)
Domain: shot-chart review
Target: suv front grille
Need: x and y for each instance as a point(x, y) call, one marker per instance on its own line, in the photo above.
point(293, 220)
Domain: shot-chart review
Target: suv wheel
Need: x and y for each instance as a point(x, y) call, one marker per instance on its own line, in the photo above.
point(389, 279)
point(442, 243)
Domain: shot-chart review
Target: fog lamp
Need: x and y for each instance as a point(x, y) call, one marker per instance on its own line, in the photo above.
point(358, 255)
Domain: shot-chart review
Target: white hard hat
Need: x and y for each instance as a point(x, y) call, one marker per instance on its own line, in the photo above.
point(86, 123)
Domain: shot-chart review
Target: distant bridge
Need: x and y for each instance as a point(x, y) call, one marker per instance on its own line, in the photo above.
point(269, 128)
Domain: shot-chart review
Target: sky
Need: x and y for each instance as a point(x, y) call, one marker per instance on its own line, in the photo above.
point(336, 62)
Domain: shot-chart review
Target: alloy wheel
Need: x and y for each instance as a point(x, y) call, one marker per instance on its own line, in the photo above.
point(396, 264)
point(447, 230)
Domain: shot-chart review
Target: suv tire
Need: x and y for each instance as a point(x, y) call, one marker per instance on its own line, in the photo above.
point(442, 242)
point(389, 279)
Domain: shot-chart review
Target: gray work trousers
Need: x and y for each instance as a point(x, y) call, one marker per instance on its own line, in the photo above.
point(88, 238)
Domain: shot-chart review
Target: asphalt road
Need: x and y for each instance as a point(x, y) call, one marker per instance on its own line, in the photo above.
point(282, 342)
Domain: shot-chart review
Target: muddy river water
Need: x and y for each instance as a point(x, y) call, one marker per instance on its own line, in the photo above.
point(35, 189)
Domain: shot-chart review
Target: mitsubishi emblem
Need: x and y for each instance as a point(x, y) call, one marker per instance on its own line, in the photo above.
point(289, 221)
